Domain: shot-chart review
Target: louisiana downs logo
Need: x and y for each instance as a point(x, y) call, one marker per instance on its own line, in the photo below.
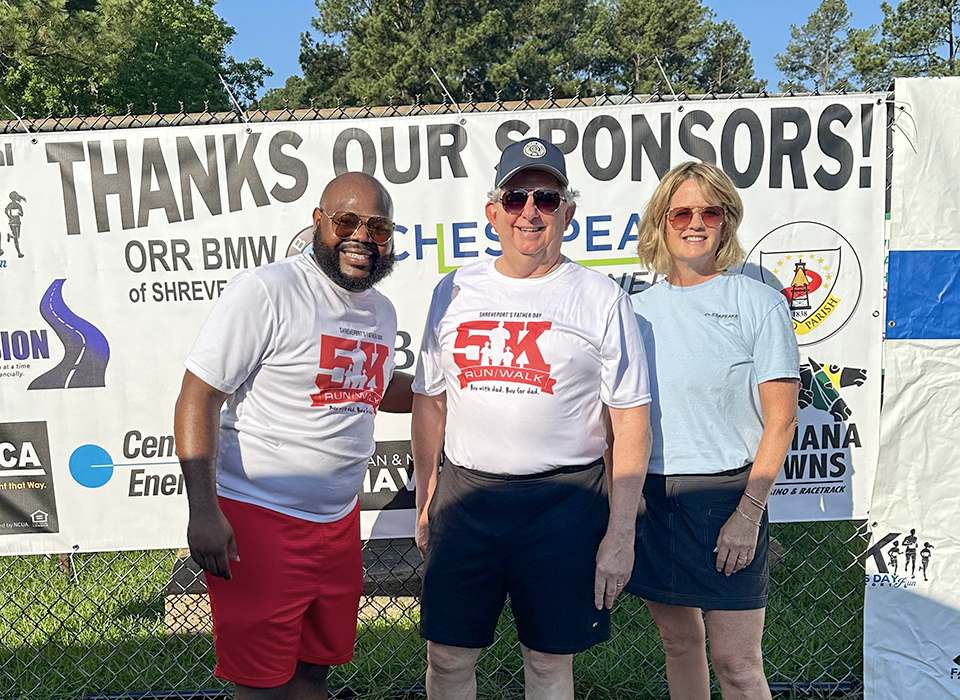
point(502, 351)
point(820, 386)
point(351, 371)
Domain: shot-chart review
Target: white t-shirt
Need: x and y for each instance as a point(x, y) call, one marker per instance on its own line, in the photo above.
point(710, 346)
point(528, 364)
point(306, 363)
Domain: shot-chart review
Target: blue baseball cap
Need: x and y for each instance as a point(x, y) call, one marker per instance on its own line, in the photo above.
point(531, 154)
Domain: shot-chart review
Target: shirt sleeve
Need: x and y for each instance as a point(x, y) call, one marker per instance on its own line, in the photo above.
point(775, 352)
point(624, 380)
point(235, 339)
point(429, 379)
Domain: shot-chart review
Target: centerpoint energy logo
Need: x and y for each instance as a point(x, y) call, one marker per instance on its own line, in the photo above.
point(93, 467)
point(86, 351)
point(818, 272)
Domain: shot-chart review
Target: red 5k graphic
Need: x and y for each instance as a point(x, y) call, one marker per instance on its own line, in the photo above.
point(503, 351)
point(351, 371)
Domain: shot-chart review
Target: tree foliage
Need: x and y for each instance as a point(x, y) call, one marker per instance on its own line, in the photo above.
point(644, 33)
point(726, 64)
point(375, 51)
point(57, 55)
point(820, 51)
point(918, 37)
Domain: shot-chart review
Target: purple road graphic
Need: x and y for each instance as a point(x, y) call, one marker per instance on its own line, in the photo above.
point(86, 351)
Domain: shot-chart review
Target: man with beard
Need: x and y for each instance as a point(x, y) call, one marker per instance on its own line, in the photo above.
point(299, 356)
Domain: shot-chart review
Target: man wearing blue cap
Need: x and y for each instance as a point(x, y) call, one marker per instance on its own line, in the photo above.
point(524, 360)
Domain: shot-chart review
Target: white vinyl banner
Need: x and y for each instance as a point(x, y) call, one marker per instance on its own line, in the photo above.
point(912, 602)
point(118, 243)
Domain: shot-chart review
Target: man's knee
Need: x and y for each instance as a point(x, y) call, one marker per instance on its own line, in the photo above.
point(546, 665)
point(450, 660)
point(312, 673)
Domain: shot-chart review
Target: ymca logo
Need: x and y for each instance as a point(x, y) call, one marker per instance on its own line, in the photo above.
point(502, 351)
point(351, 371)
point(27, 500)
point(820, 385)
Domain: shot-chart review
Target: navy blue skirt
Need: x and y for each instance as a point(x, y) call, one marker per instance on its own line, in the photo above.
point(676, 534)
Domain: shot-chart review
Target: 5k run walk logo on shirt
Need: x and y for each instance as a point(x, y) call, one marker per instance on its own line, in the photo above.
point(351, 371)
point(502, 351)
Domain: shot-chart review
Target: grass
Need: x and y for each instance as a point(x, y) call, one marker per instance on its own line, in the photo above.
point(102, 630)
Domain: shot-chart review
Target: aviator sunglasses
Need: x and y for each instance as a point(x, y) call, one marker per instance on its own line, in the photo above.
point(546, 201)
point(680, 217)
point(379, 228)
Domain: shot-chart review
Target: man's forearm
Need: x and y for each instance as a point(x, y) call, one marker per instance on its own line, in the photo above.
point(398, 397)
point(429, 423)
point(196, 431)
point(631, 451)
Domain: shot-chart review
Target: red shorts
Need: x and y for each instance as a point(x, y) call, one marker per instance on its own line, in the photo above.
point(293, 596)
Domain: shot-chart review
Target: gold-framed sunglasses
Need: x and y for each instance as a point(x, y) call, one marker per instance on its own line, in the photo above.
point(345, 223)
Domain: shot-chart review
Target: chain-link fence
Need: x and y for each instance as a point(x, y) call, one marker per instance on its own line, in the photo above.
point(136, 624)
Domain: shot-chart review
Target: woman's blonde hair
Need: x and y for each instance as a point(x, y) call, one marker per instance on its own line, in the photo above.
point(717, 188)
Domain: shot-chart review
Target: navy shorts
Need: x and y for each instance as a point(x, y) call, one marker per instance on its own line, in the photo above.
point(675, 562)
point(534, 538)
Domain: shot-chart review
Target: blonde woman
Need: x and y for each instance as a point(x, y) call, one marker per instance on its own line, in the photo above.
point(724, 368)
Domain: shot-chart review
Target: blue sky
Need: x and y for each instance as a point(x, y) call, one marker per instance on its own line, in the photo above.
point(274, 35)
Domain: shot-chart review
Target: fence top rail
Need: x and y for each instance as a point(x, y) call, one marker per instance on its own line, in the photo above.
point(102, 121)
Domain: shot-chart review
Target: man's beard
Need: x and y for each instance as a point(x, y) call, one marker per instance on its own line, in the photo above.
point(328, 258)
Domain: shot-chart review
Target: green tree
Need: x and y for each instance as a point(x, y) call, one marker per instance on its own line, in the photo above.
point(820, 51)
point(385, 50)
point(57, 55)
point(377, 51)
point(179, 56)
point(46, 58)
point(643, 33)
point(726, 64)
point(921, 37)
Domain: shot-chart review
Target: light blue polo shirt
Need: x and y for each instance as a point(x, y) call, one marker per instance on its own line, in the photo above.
point(709, 346)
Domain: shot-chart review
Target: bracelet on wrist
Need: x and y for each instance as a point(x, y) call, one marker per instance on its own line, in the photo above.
point(756, 501)
point(747, 518)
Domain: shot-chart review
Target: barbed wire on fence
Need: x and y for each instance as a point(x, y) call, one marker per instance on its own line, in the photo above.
point(77, 122)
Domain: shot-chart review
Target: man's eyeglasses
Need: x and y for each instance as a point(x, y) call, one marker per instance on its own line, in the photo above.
point(680, 217)
point(345, 223)
point(547, 201)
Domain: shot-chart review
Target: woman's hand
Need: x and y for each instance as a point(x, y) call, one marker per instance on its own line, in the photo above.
point(736, 544)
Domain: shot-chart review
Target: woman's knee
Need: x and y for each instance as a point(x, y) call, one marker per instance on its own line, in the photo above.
point(739, 668)
point(681, 630)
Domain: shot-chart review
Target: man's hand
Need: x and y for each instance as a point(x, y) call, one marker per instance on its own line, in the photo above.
point(212, 544)
point(614, 567)
point(423, 533)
